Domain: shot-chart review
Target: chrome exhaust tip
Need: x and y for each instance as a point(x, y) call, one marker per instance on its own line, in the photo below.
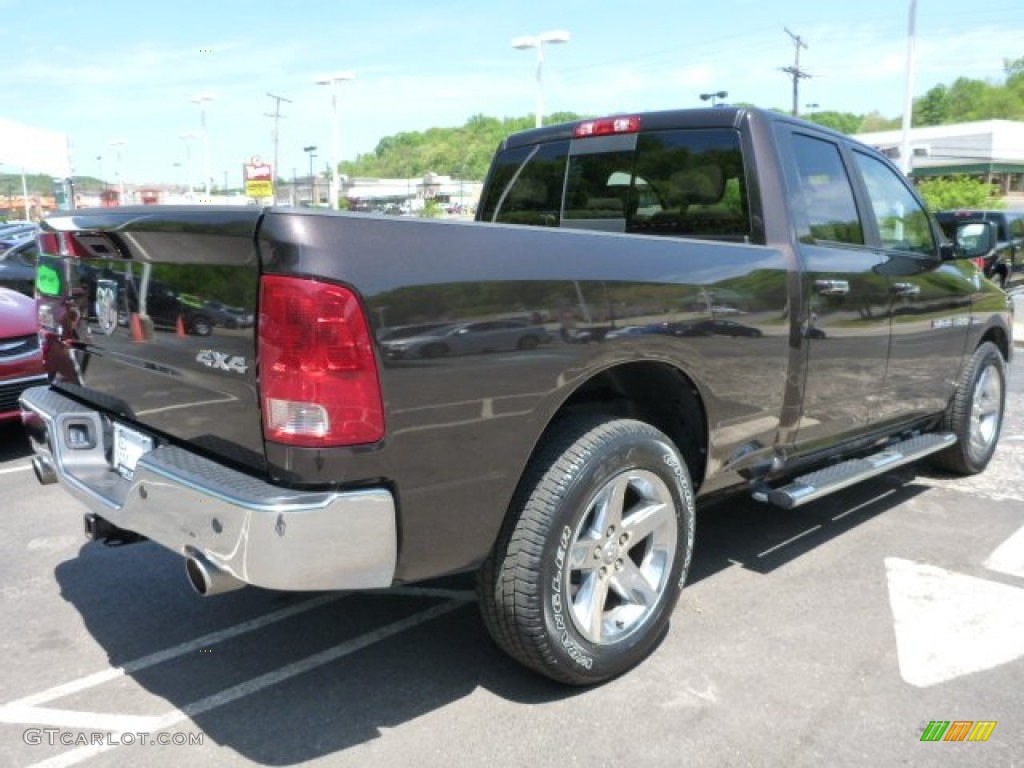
point(44, 470)
point(207, 579)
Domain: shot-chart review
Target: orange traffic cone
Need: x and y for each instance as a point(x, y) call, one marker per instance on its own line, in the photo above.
point(179, 326)
point(138, 334)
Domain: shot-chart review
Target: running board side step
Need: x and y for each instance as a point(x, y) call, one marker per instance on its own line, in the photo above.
point(831, 479)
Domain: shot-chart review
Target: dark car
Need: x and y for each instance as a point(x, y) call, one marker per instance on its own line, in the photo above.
point(18, 266)
point(723, 328)
point(21, 359)
point(227, 316)
point(1004, 264)
point(167, 308)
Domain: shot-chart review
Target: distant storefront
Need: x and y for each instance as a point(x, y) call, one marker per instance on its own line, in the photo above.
point(990, 150)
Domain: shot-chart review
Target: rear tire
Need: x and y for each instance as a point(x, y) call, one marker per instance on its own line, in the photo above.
point(201, 326)
point(589, 564)
point(975, 415)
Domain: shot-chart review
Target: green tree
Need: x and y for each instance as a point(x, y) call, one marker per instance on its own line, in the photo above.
point(933, 107)
point(943, 193)
point(844, 122)
point(876, 121)
point(464, 152)
point(431, 209)
point(966, 100)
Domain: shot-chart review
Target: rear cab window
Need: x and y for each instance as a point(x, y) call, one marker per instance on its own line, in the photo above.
point(682, 183)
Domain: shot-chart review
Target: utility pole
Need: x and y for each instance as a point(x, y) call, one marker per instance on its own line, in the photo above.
point(276, 114)
point(906, 161)
point(795, 72)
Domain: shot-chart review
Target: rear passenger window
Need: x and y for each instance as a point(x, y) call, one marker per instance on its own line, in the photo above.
point(826, 191)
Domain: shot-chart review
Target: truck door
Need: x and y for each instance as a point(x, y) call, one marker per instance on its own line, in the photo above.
point(930, 299)
point(842, 319)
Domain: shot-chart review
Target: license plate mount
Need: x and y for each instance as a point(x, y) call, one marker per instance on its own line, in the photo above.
point(129, 446)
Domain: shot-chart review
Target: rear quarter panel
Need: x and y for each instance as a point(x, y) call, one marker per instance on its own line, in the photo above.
point(461, 428)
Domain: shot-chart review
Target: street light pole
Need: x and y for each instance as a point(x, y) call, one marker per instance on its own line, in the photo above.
point(906, 165)
point(202, 99)
point(525, 43)
point(335, 81)
point(187, 137)
point(714, 96)
point(310, 150)
point(117, 144)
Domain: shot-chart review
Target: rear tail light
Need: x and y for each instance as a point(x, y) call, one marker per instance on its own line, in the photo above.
point(979, 262)
point(606, 126)
point(318, 374)
point(60, 244)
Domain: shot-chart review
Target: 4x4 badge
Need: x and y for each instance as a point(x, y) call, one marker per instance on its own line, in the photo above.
point(211, 358)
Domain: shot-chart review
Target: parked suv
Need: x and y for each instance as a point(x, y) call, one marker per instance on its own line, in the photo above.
point(1004, 264)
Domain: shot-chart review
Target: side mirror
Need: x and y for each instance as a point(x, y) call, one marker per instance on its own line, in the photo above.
point(974, 240)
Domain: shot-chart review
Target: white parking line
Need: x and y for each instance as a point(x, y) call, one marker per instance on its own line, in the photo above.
point(90, 721)
point(91, 681)
point(789, 541)
point(24, 468)
point(257, 684)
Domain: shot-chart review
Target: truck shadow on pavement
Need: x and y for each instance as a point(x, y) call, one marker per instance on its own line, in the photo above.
point(13, 442)
point(761, 538)
point(264, 693)
point(341, 670)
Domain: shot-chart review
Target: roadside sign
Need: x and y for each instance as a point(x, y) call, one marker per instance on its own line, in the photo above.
point(259, 178)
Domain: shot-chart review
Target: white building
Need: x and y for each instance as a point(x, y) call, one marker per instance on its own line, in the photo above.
point(991, 150)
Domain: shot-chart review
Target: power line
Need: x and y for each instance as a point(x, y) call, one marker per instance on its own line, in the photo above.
point(276, 114)
point(794, 71)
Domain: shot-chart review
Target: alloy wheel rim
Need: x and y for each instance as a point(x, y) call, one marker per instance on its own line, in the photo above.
point(986, 413)
point(621, 556)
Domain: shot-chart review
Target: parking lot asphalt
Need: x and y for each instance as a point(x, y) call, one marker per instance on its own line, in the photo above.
point(835, 634)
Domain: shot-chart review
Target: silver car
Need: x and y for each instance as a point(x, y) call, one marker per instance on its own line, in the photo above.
point(468, 339)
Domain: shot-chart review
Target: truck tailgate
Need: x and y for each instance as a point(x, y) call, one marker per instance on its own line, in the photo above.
point(152, 318)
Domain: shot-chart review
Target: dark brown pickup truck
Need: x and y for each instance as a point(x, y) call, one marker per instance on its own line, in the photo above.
point(652, 311)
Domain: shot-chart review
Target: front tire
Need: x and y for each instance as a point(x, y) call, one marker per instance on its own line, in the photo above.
point(528, 342)
point(592, 557)
point(434, 350)
point(975, 415)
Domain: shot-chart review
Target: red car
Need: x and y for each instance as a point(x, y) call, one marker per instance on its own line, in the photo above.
point(21, 359)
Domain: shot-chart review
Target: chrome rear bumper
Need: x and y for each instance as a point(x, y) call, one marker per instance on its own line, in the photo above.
point(258, 533)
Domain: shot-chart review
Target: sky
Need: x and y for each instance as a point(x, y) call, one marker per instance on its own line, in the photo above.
point(120, 78)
